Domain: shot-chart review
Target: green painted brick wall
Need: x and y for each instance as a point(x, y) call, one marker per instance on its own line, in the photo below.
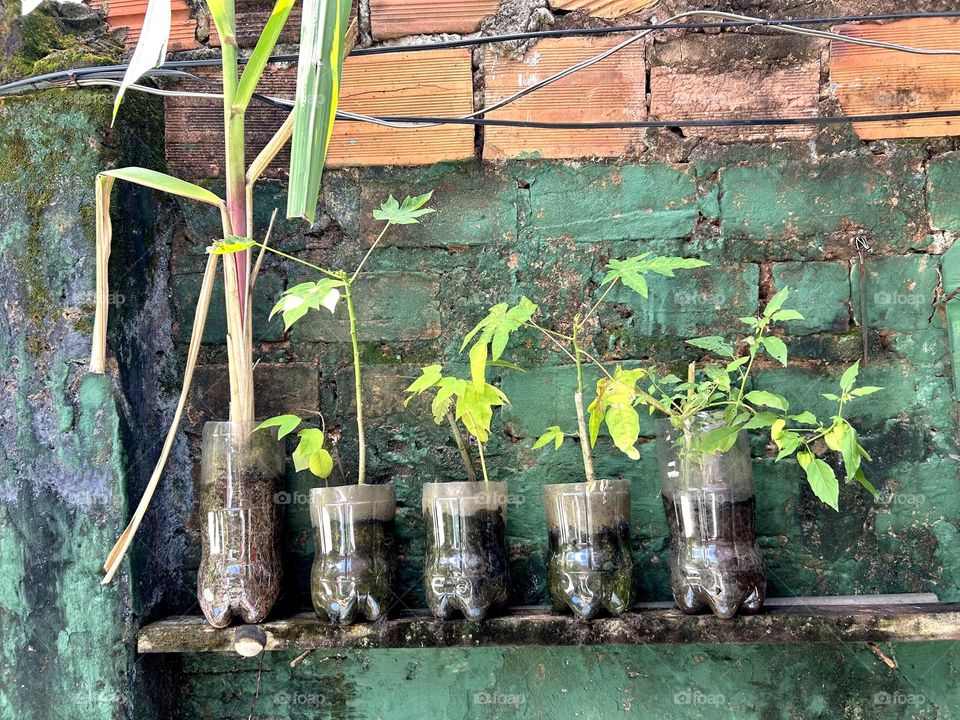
point(765, 218)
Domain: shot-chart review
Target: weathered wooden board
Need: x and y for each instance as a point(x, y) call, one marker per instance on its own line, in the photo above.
point(435, 83)
point(613, 90)
point(872, 81)
point(399, 18)
point(540, 626)
point(129, 14)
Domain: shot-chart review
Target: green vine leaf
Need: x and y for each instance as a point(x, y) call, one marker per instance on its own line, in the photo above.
point(553, 434)
point(300, 299)
point(285, 425)
point(849, 376)
point(776, 348)
point(767, 399)
point(776, 302)
point(823, 482)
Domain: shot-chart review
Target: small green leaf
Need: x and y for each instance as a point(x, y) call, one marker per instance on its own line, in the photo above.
point(285, 425)
point(623, 422)
point(763, 418)
point(321, 464)
point(768, 399)
point(805, 457)
point(805, 418)
point(862, 479)
point(788, 442)
point(831, 396)
point(553, 434)
point(784, 315)
point(713, 343)
point(776, 302)
point(776, 348)
point(719, 439)
point(865, 390)
point(231, 245)
point(478, 363)
point(824, 483)
point(429, 377)
point(850, 450)
point(849, 376)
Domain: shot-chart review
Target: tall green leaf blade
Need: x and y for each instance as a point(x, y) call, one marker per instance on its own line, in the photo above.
point(322, 35)
point(261, 53)
point(166, 183)
point(151, 48)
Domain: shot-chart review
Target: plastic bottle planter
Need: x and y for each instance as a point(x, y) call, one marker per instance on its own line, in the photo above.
point(354, 565)
point(590, 567)
point(466, 550)
point(715, 562)
point(240, 566)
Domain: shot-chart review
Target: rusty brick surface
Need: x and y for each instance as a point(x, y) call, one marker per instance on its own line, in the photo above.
point(678, 94)
point(129, 14)
point(875, 81)
point(612, 90)
point(609, 9)
point(398, 18)
point(435, 83)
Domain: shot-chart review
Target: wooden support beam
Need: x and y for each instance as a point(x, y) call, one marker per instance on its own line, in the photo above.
point(536, 626)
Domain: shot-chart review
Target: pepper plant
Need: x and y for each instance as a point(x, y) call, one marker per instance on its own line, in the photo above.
point(492, 334)
point(324, 42)
point(722, 387)
point(327, 292)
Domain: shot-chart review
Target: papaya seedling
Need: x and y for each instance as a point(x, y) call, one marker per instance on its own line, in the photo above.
point(326, 293)
point(492, 334)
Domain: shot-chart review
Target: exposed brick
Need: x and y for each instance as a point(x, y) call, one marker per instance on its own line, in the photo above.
point(943, 191)
point(778, 200)
point(473, 207)
point(398, 18)
point(609, 9)
point(129, 14)
point(598, 202)
point(278, 389)
point(820, 291)
point(681, 94)
point(869, 81)
point(899, 292)
point(383, 395)
point(612, 90)
point(265, 295)
point(390, 306)
point(434, 83)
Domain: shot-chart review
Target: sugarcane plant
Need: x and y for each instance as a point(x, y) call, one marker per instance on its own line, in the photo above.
point(722, 388)
point(325, 39)
point(311, 453)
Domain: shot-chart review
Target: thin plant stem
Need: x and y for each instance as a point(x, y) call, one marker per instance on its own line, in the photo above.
point(372, 248)
point(361, 439)
point(462, 447)
point(483, 463)
point(310, 265)
point(588, 469)
point(597, 303)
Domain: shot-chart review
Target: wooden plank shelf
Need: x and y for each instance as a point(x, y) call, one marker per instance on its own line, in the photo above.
point(787, 623)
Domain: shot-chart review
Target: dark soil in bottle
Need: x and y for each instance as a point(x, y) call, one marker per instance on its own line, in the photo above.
point(715, 562)
point(466, 569)
point(240, 569)
point(588, 577)
point(356, 575)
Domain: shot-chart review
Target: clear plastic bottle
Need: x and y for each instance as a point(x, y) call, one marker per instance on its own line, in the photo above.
point(590, 566)
point(710, 504)
point(240, 566)
point(354, 566)
point(466, 567)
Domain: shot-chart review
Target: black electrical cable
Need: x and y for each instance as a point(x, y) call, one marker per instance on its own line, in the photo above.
point(68, 75)
point(715, 122)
